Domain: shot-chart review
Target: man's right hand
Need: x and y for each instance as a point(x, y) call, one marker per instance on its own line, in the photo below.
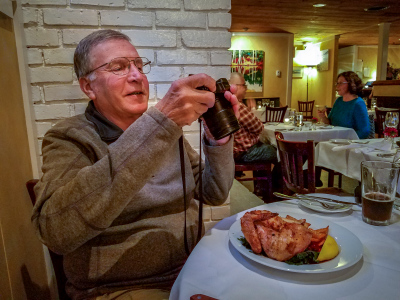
point(183, 103)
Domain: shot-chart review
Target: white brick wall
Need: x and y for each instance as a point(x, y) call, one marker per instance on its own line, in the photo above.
point(180, 37)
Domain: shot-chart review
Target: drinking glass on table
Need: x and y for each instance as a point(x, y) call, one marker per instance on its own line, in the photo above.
point(378, 190)
point(320, 110)
point(392, 119)
point(373, 103)
point(298, 121)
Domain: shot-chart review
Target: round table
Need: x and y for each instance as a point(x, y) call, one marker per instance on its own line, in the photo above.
point(216, 269)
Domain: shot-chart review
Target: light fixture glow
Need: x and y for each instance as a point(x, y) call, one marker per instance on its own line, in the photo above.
point(319, 5)
point(311, 56)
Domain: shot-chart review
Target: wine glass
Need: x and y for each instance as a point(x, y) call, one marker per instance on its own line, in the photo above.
point(392, 119)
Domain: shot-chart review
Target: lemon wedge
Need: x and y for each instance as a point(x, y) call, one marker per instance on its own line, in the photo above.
point(329, 250)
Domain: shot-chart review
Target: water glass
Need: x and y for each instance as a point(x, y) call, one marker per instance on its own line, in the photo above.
point(373, 103)
point(392, 119)
point(378, 191)
point(298, 120)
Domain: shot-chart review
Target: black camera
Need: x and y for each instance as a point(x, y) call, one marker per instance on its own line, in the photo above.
point(220, 119)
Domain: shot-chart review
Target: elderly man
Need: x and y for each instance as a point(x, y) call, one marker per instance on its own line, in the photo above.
point(111, 197)
point(247, 146)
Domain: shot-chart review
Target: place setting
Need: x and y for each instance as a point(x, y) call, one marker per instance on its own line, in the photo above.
point(324, 203)
point(365, 146)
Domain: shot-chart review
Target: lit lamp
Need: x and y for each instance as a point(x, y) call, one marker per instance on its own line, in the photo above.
point(310, 57)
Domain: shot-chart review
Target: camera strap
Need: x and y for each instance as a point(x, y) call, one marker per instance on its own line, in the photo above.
point(200, 219)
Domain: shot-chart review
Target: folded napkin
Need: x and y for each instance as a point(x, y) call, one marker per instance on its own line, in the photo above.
point(384, 145)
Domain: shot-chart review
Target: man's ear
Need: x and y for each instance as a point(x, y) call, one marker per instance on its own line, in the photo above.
point(86, 87)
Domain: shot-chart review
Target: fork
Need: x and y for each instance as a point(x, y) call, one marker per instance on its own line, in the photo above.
point(323, 204)
point(297, 196)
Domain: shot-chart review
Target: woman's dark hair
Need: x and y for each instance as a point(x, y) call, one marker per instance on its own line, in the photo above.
point(355, 84)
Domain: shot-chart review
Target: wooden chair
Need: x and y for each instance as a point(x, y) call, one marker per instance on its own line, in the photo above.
point(275, 114)
point(260, 166)
point(293, 156)
point(380, 113)
point(306, 107)
point(56, 259)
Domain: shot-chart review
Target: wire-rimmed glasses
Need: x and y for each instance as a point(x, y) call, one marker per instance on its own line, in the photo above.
point(121, 65)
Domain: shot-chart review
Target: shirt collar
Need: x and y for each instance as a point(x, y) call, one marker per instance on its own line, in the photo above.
point(108, 131)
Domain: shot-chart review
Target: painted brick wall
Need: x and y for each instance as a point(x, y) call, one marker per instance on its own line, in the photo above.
point(180, 37)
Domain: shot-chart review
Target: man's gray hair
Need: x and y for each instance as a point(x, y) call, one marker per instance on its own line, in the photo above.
point(82, 52)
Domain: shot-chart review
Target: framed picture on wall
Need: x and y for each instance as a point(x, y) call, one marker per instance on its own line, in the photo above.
point(298, 72)
point(324, 65)
point(251, 64)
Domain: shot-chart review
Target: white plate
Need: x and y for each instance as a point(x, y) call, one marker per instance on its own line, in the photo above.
point(326, 127)
point(340, 141)
point(351, 249)
point(318, 207)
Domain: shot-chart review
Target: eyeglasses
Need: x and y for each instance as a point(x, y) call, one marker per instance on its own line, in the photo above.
point(339, 83)
point(242, 84)
point(121, 65)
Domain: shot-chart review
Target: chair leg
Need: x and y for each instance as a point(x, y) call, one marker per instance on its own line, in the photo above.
point(331, 177)
point(340, 181)
point(269, 175)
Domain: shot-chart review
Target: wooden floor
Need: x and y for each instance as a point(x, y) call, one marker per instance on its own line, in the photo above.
point(242, 197)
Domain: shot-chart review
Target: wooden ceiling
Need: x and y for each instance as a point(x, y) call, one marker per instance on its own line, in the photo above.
point(310, 24)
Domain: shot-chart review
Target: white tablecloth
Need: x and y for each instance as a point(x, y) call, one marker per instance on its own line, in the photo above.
point(216, 269)
point(347, 161)
point(318, 135)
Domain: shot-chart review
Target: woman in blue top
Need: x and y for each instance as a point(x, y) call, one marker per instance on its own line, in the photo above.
point(349, 110)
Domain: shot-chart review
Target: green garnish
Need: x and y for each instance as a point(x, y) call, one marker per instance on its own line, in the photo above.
point(244, 242)
point(304, 258)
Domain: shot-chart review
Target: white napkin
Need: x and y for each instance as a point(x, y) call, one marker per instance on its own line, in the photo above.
point(384, 145)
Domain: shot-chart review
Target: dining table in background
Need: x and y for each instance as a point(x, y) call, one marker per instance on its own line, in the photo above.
point(322, 133)
point(217, 269)
point(346, 159)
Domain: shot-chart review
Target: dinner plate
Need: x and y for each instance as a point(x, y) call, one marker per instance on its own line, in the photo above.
point(326, 127)
point(351, 249)
point(340, 141)
point(318, 207)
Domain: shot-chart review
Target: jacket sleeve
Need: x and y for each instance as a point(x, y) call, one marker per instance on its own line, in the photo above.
point(78, 197)
point(218, 169)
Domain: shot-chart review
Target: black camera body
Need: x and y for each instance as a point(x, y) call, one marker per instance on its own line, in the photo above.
point(220, 119)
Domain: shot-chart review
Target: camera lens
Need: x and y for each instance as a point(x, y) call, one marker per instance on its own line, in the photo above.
point(220, 119)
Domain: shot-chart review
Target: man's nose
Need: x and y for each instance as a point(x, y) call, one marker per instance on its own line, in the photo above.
point(134, 71)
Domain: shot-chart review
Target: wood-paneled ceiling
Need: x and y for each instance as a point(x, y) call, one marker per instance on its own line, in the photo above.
point(310, 24)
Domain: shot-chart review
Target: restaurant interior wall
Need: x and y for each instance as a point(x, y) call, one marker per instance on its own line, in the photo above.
point(22, 263)
point(363, 60)
point(276, 48)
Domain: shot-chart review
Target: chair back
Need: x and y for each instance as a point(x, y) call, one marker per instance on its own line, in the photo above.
point(306, 107)
point(275, 114)
point(56, 259)
point(293, 156)
point(380, 113)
